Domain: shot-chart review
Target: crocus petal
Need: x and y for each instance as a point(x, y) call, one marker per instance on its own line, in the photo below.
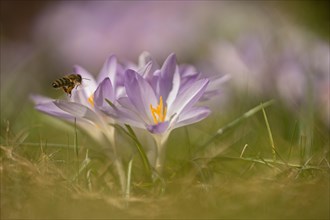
point(145, 71)
point(144, 59)
point(140, 94)
point(81, 96)
point(88, 80)
point(77, 110)
point(191, 116)
point(104, 91)
point(125, 116)
point(165, 83)
point(158, 128)
point(129, 109)
point(38, 99)
point(126, 103)
point(109, 69)
point(51, 109)
point(187, 70)
point(175, 90)
point(128, 118)
point(188, 97)
point(214, 87)
point(47, 106)
point(187, 80)
point(153, 80)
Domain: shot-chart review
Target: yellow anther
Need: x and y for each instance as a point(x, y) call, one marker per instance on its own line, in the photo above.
point(159, 113)
point(91, 100)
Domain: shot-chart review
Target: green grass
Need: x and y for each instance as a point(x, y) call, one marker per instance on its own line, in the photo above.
point(237, 164)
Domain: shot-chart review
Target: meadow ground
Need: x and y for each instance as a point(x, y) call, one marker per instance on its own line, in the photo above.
point(246, 172)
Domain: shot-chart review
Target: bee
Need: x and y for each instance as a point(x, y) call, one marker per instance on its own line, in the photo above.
point(68, 83)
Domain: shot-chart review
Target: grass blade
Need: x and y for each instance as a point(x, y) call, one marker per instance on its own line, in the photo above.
point(264, 161)
point(269, 133)
point(83, 166)
point(75, 139)
point(129, 175)
point(140, 149)
point(129, 132)
point(138, 145)
point(235, 122)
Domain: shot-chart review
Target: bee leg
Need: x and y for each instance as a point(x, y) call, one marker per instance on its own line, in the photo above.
point(67, 90)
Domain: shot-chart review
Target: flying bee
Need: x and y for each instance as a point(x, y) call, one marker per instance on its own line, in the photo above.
point(68, 83)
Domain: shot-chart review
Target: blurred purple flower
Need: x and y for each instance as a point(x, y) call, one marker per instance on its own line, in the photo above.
point(99, 27)
point(288, 64)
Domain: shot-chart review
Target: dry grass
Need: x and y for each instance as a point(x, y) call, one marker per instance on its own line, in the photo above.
point(41, 189)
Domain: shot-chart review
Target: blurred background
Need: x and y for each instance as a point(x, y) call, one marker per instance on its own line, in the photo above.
point(271, 49)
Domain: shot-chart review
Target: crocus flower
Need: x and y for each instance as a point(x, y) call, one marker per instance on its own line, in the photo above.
point(148, 68)
point(159, 102)
point(81, 105)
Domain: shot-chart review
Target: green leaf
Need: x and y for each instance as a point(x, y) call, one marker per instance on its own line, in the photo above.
point(129, 175)
point(129, 132)
point(140, 149)
point(111, 104)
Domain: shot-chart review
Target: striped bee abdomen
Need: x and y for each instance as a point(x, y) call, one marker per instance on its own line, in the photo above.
point(61, 82)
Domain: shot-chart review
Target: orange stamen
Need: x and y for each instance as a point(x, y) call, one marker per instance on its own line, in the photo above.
point(91, 100)
point(159, 113)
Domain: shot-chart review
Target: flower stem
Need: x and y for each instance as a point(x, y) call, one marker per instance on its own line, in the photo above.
point(109, 132)
point(121, 174)
point(160, 151)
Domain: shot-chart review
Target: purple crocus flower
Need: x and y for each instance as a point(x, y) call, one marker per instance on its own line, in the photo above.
point(81, 106)
point(148, 68)
point(160, 103)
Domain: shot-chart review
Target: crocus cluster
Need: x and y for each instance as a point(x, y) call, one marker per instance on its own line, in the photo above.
point(147, 95)
point(158, 100)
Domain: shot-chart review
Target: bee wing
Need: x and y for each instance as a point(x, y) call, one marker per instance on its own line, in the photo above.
point(82, 86)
